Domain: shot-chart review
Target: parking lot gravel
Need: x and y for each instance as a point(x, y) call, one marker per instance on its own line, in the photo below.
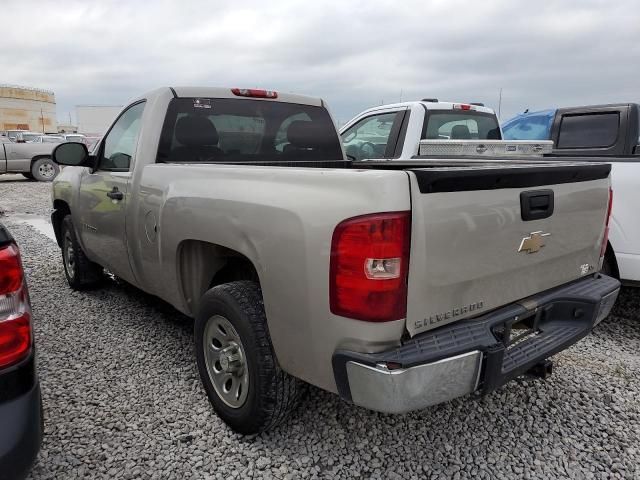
point(122, 398)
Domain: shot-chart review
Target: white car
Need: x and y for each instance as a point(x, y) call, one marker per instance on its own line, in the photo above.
point(420, 130)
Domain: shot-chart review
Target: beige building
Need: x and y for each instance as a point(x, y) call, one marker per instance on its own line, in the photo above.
point(23, 108)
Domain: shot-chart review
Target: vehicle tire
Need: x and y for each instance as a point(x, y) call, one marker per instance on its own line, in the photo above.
point(44, 169)
point(236, 361)
point(81, 272)
point(27, 175)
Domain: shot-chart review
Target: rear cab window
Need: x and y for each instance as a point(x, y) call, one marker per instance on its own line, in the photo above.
point(592, 130)
point(460, 125)
point(224, 130)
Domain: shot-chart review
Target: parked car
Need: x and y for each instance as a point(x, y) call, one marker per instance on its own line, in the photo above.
point(21, 136)
point(47, 139)
point(73, 137)
point(33, 160)
point(396, 286)
point(21, 420)
point(418, 130)
point(598, 133)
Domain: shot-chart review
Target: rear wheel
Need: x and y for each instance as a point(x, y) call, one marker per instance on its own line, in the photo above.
point(81, 272)
point(236, 361)
point(44, 170)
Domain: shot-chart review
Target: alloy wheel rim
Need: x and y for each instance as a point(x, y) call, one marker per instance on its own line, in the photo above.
point(226, 361)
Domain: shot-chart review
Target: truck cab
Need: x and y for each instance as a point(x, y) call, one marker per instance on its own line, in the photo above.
point(395, 131)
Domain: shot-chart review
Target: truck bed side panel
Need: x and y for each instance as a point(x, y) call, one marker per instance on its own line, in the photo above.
point(282, 219)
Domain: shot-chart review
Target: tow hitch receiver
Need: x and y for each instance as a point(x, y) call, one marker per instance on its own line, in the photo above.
point(542, 370)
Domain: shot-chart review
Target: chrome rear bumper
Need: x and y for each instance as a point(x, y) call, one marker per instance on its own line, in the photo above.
point(406, 389)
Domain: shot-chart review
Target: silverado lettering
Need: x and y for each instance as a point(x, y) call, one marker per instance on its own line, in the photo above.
point(439, 317)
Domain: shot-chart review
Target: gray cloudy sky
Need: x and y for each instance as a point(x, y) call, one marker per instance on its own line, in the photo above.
point(354, 54)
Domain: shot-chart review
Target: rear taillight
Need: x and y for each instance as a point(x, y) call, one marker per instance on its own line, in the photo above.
point(15, 313)
point(369, 265)
point(605, 238)
point(254, 92)
point(463, 106)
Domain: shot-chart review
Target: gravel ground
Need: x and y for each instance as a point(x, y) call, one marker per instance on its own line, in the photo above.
point(122, 399)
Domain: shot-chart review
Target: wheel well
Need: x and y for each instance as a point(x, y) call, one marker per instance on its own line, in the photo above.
point(60, 210)
point(610, 256)
point(203, 265)
point(38, 157)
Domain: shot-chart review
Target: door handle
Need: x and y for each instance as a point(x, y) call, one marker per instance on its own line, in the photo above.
point(536, 204)
point(115, 194)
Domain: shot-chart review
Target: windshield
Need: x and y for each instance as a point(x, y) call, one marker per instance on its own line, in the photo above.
point(460, 125)
point(533, 126)
point(242, 130)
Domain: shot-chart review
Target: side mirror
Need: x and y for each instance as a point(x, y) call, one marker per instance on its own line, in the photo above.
point(71, 154)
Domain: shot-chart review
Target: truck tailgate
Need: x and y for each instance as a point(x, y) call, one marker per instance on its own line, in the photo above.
point(485, 236)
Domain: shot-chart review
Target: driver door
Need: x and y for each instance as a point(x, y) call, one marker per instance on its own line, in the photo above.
point(103, 195)
point(374, 136)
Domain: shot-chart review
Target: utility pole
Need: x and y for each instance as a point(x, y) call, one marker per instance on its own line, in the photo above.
point(42, 118)
point(500, 103)
point(401, 95)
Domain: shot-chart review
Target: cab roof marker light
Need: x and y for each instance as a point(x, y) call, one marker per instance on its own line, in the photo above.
point(254, 93)
point(463, 106)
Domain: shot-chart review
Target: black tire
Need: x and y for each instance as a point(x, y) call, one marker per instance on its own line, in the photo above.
point(44, 169)
point(81, 272)
point(27, 175)
point(272, 393)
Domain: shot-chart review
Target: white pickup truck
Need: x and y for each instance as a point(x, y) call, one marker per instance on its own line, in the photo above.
point(429, 128)
point(397, 287)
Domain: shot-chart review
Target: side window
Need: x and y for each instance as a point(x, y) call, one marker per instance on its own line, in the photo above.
point(121, 141)
point(594, 130)
point(369, 138)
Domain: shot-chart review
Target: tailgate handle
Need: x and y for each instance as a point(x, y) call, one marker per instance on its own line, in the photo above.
point(536, 204)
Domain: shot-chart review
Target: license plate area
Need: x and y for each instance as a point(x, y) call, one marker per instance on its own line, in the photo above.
point(519, 329)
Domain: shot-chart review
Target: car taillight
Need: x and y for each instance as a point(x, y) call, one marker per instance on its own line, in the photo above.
point(254, 92)
point(605, 238)
point(15, 313)
point(369, 266)
point(463, 106)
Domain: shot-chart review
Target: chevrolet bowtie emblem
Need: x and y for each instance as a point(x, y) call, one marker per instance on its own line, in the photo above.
point(533, 243)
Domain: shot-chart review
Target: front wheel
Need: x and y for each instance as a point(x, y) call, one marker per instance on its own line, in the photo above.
point(44, 170)
point(236, 361)
point(81, 272)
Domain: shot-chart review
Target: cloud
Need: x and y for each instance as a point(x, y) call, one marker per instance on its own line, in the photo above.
point(353, 54)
